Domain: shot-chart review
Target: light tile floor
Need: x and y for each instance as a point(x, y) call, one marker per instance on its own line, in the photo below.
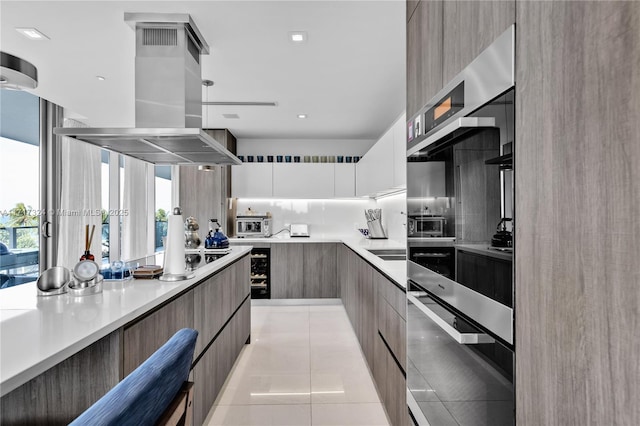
point(304, 366)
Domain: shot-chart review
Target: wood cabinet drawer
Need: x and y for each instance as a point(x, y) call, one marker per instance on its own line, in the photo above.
point(395, 296)
point(393, 329)
point(145, 336)
point(391, 383)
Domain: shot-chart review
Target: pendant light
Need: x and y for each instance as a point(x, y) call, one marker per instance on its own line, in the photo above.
point(16, 73)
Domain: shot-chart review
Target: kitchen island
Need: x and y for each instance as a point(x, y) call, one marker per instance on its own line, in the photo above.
point(59, 354)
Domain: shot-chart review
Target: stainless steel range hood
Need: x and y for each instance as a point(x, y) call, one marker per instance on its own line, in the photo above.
point(168, 90)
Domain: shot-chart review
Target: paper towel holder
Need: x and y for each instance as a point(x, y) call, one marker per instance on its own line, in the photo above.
point(177, 211)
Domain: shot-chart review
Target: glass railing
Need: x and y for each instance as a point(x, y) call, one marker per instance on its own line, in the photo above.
point(18, 255)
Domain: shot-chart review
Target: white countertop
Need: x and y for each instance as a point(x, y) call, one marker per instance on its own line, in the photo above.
point(37, 333)
point(60, 326)
point(394, 269)
point(286, 239)
point(483, 249)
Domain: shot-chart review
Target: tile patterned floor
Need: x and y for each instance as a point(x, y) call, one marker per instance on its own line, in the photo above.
point(303, 367)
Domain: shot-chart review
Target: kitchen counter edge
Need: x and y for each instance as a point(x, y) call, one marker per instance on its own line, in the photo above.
point(25, 356)
point(394, 270)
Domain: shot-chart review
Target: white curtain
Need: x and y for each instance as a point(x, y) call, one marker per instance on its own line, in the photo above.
point(138, 204)
point(80, 202)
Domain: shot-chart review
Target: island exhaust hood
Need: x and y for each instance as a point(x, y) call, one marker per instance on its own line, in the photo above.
point(168, 90)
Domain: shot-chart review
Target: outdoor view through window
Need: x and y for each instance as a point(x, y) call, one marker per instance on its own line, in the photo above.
point(19, 182)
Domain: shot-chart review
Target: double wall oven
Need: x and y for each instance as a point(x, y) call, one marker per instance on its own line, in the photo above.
point(460, 193)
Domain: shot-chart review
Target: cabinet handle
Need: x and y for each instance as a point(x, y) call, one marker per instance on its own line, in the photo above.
point(462, 338)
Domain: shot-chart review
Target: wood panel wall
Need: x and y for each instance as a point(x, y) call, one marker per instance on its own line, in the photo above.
point(57, 396)
point(203, 195)
point(578, 208)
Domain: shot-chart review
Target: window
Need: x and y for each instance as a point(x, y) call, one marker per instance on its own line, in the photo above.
point(19, 187)
point(163, 203)
point(105, 205)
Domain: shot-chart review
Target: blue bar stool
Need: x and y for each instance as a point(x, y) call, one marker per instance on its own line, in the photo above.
point(157, 392)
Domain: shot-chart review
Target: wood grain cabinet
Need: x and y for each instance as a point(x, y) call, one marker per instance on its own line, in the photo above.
point(376, 308)
point(145, 336)
point(469, 27)
point(391, 325)
point(424, 54)
point(577, 293)
point(194, 183)
point(319, 270)
point(443, 37)
point(304, 270)
point(219, 308)
point(366, 299)
point(60, 394)
point(286, 270)
point(211, 371)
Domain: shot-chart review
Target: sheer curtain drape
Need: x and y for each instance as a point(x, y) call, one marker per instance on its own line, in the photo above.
point(138, 203)
point(80, 203)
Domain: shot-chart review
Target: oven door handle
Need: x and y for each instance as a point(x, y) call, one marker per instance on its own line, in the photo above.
point(431, 255)
point(460, 123)
point(462, 338)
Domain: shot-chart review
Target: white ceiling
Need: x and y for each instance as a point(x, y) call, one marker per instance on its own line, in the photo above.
point(349, 77)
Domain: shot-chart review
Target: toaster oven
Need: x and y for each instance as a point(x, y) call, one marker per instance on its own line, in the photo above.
point(253, 227)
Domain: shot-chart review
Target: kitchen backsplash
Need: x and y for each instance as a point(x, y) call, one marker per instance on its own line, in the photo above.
point(393, 217)
point(330, 218)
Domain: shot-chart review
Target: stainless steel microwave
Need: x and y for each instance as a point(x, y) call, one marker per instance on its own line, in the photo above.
point(426, 226)
point(253, 226)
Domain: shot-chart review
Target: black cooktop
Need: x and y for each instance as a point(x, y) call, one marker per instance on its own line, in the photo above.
point(195, 260)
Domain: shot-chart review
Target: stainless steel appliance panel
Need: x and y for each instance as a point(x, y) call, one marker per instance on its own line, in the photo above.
point(490, 74)
point(253, 227)
point(492, 315)
point(460, 327)
point(453, 383)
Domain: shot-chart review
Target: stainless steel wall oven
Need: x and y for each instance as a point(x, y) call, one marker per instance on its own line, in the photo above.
point(461, 347)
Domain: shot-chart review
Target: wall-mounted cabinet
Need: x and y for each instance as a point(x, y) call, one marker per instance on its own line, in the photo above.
point(192, 183)
point(344, 184)
point(294, 180)
point(383, 168)
point(424, 54)
point(253, 180)
point(471, 26)
point(303, 180)
point(443, 37)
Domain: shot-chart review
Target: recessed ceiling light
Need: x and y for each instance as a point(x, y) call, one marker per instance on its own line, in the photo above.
point(32, 33)
point(101, 78)
point(206, 168)
point(230, 115)
point(302, 115)
point(298, 36)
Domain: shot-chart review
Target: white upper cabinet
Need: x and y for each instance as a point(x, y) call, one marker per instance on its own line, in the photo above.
point(294, 180)
point(303, 180)
point(252, 180)
point(345, 180)
point(383, 167)
point(400, 152)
